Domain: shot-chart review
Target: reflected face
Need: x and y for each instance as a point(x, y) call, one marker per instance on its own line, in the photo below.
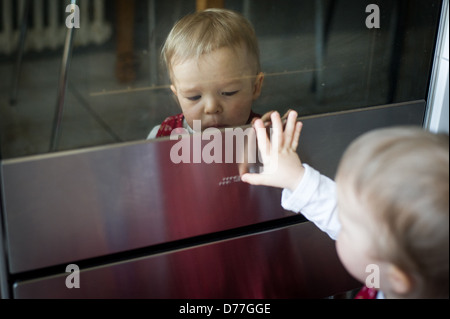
point(218, 89)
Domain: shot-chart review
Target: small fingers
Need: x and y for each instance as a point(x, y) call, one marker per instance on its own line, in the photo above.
point(285, 116)
point(289, 128)
point(296, 137)
point(253, 178)
point(266, 116)
point(262, 138)
point(277, 131)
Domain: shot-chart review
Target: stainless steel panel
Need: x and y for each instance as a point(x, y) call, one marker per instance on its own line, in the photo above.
point(78, 205)
point(295, 262)
point(70, 206)
point(325, 138)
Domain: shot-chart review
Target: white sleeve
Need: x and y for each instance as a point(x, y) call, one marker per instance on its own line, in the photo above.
point(315, 198)
point(153, 132)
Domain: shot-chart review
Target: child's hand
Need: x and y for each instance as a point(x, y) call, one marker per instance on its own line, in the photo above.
point(266, 117)
point(282, 165)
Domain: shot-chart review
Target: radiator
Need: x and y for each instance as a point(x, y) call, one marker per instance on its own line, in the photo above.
point(46, 28)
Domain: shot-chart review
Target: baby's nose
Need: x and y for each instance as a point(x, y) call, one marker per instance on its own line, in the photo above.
point(212, 106)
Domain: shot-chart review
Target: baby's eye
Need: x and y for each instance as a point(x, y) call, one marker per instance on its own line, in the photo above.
point(194, 98)
point(229, 93)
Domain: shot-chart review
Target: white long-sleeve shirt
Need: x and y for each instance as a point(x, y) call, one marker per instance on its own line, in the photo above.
point(315, 198)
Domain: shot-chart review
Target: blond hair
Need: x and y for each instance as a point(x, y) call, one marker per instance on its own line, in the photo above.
point(401, 177)
point(205, 31)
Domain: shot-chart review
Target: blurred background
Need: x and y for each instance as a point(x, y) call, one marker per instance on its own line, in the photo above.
point(318, 57)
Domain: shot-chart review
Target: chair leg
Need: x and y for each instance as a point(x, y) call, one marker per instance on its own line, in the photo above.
point(126, 59)
point(205, 4)
point(152, 43)
point(62, 87)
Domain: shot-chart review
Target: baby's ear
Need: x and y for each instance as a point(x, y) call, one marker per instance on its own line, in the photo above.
point(174, 90)
point(258, 85)
point(400, 282)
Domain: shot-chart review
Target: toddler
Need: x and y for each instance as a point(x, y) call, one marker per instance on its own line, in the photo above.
point(212, 58)
point(389, 206)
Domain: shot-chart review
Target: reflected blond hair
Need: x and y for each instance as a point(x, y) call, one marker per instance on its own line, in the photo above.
point(205, 31)
point(400, 176)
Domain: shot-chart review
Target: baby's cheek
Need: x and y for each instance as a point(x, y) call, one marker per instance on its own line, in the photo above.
point(349, 260)
point(239, 113)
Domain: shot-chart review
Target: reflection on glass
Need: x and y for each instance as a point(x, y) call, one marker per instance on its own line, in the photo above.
point(317, 57)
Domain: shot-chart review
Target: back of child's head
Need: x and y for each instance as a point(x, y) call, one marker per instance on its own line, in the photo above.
point(400, 176)
point(205, 31)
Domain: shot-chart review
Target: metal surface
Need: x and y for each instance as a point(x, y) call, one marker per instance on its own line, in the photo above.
point(102, 207)
point(324, 138)
point(283, 263)
point(79, 205)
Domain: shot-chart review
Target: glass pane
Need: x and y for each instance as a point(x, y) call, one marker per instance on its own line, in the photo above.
point(317, 57)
